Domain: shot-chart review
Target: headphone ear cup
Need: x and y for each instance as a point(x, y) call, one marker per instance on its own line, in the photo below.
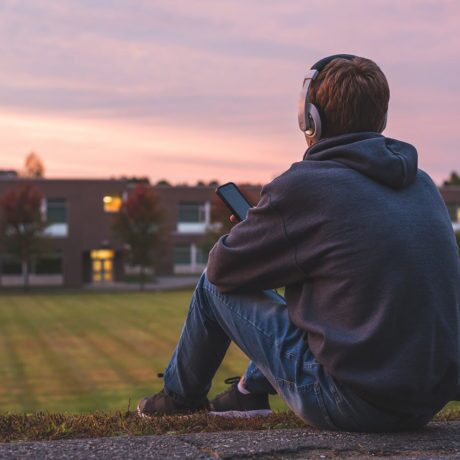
point(313, 131)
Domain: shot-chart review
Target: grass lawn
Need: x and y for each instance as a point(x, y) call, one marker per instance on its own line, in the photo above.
point(83, 352)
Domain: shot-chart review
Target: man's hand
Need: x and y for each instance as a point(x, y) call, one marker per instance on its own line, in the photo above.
point(233, 219)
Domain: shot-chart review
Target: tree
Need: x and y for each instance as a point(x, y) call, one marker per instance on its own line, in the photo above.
point(33, 166)
point(163, 183)
point(454, 179)
point(134, 179)
point(220, 218)
point(22, 225)
point(139, 224)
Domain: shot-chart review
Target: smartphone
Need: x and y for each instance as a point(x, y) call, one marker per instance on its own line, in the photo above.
point(231, 195)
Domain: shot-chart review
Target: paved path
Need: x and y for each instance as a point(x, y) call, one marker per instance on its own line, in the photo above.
point(437, 441)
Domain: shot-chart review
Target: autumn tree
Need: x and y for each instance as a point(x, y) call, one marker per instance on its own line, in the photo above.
point(140, 225)
point(220, 218)
point(22, 225)
point(33, 166)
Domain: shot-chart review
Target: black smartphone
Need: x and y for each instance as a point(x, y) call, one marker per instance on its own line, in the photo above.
point(231, 195)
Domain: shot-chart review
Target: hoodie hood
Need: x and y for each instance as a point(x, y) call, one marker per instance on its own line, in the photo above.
point(391, 162)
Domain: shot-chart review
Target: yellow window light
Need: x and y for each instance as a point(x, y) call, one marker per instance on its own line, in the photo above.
point(102, 254)
point(112, 203)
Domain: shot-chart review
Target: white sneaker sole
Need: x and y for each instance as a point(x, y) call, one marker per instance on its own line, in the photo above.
point(141, 414)
point(243, 414)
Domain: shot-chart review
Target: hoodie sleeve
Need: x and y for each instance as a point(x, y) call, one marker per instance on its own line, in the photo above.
point(256, 254)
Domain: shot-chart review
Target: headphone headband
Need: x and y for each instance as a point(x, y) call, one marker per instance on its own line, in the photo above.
point(325, 61)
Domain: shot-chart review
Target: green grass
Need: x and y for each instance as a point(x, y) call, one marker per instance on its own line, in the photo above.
point(78, 352)
point(81, 352)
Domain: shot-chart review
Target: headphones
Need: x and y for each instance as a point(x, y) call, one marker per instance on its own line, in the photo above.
point(309, 114)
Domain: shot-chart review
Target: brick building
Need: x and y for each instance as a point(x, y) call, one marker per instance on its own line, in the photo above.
point(83, 247)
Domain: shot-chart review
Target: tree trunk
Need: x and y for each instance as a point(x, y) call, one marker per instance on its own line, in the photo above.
point(142, 280)
point(25, 274)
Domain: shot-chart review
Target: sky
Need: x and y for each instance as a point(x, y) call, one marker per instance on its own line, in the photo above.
point(204, 90)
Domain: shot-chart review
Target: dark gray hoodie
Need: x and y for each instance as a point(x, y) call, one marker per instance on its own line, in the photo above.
point(362, 241)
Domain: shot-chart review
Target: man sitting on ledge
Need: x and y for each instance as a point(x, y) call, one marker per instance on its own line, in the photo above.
point(367, 336)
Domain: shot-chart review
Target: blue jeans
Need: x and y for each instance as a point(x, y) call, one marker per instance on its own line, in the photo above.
point(281, 361)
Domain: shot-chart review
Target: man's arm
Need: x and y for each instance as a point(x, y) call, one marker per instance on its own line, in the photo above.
point(257, 254)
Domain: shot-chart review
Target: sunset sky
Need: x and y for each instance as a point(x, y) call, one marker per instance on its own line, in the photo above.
point(188, 90)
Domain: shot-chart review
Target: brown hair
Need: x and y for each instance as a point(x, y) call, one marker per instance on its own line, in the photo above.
point(352, 96)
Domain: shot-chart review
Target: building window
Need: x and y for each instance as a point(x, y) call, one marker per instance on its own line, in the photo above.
point(11, 266)
point(48, 264)
point(194, 217)
point(102, 265)
point(201, 256)
point(45, 269)
point(182, 255)
point(56, 211)
point(192, 212)
point(112, 203)
point(189, 259)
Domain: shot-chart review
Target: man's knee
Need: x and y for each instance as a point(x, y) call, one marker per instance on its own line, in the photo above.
point(203, 282)
point(202, 290)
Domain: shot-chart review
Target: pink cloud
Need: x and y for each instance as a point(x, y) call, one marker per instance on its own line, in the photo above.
point(225, 73)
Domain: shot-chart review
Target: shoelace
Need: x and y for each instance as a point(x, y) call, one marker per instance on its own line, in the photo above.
point(232, 380)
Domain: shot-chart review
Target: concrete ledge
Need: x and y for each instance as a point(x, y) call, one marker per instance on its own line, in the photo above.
point(437, 440)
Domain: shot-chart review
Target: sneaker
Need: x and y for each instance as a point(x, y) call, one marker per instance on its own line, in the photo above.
point(233, 403)
point(162, 404)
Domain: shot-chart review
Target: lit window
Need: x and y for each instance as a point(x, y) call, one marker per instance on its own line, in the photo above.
point(102, 254)
point(112, 203)
point(102, 264)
